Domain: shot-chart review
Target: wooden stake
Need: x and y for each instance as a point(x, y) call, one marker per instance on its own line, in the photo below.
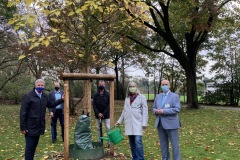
point(66, 119)
point(112, 112)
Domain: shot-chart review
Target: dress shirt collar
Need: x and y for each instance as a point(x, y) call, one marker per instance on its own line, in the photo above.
point(166, 93)
point(37, 92)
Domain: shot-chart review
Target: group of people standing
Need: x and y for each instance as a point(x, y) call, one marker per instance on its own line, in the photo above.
point(134, 115)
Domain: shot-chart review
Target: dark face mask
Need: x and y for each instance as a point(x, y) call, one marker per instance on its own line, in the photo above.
point(56, 88)
point(101, 87)
point(40, 89)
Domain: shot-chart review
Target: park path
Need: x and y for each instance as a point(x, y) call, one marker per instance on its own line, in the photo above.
point(220, 107)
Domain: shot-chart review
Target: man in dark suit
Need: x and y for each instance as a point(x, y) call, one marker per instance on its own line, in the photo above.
point(166, 108)
point(56, 113)
point(32, 116)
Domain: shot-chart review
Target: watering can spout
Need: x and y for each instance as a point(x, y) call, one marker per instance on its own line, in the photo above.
point(105, 138)
point(114, 135)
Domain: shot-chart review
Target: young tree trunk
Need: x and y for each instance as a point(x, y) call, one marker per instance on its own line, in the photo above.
point(87, 105)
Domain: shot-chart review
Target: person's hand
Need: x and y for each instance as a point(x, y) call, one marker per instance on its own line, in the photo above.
point(159, 111)
point(63, 96)
point(24, 132)
point(51, 114)
point(117, 124)
point(100, 115)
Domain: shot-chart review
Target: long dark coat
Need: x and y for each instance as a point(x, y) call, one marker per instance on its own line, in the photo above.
point(33, 111)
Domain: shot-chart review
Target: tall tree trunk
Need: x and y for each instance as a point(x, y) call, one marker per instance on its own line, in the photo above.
point(192, 98)
point(123, 80)
point(232, 102)
point(117, 77)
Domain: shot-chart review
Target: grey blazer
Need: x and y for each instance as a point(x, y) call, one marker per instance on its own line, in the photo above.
point(171, 108)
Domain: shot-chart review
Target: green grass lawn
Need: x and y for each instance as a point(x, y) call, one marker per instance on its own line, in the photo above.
point(182, 98)
point(151, 97)
point(206, 134)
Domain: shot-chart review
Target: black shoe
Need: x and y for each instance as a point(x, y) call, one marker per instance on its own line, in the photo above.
point(54, 141)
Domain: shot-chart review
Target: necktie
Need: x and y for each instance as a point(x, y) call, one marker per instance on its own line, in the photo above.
point(163, 100)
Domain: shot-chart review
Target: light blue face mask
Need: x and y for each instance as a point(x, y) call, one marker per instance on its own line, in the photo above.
point(165, 89)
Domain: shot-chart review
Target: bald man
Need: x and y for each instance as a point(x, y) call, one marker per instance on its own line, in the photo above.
point(166, 108)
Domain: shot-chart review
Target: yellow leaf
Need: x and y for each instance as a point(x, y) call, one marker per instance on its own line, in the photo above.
point(36, 44)
point(71, 13)
point(21, 57)
point(70, 60)
point(16, 27)
point(31, 20)
point(64, 40)
point(57, 13)
point(100, 9)
point(94, 38)
point(54, 30)
point(110, 64)
point(10, 4)
point(94, 57)
point(54, 20)
point(84, 7)
point(81, 55)
point(46, 42)
point(28, 2)
point(31, 47)
point(12, 21)
point(41, 39)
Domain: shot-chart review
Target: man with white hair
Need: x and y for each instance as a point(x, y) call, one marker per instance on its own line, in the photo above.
point(32, 116)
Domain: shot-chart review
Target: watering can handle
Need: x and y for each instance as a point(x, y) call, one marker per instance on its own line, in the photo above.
point(114, 127)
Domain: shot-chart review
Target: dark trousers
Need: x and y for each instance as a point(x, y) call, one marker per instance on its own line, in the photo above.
point(31, 145)
point(57, 115)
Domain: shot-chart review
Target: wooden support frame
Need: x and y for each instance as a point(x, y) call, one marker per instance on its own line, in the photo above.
point(84, 76)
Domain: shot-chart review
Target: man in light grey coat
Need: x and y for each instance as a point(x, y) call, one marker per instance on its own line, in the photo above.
point(166, 108)
point(135, 117)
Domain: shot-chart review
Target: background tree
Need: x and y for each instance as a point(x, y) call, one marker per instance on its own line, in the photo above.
point(226, 67)
point(85, 26)
point(9, 65)
point(183, 26)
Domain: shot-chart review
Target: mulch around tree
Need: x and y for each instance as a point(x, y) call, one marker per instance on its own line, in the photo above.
point(107, 156)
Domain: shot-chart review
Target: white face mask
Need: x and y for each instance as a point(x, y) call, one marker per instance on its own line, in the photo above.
point(132, 89)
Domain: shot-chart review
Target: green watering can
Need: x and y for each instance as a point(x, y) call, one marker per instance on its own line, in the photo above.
point(114, 135)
